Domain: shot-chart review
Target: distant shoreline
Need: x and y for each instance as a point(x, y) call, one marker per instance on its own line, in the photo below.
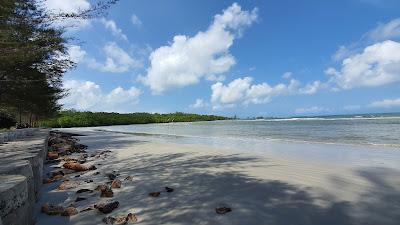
point(68, 119)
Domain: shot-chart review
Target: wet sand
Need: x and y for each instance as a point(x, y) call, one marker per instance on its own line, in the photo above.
point(259, 188)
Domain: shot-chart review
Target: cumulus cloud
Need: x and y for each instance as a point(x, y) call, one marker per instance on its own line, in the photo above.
point(344, 52)
point(200, 103)
point(112, 26)
point(311, 110)
point(385, 31)
point(188, 59)
point(136, 21)
point(242, 91)
point(382, 32)
point(76, 53)
point(312, 88)
point(117, 60)
point(386, 103)
point(377, 65)
point(87, 95)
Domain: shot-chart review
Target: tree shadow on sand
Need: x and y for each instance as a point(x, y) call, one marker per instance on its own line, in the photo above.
point(203, 182)
point(198, 192)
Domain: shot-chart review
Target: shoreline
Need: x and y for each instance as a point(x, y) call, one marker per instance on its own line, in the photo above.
point(259, 189)
point(336, 154)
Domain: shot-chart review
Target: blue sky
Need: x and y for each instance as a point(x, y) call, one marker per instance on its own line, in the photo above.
point(245, 58)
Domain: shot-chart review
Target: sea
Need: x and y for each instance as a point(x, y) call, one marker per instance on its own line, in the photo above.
point(341, 138)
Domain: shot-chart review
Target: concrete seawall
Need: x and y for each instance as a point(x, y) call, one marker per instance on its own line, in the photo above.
point(22, 153)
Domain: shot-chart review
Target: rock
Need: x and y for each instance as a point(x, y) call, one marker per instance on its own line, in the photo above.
point(68, 185)
point(63, 148)
point(109, 220)
point(70, 211)
point(116, 184)
point(131, 218)
point(100, 187)
point(128, 178)
point(55, 176)
point(75, 166)
point(154, 194)
point(107, 207)
point(105, 190)
point(107, 193)
point(89, 181)
point(53, 179)
point(52, 209)
point(128, 219)
point(223, 210)
point(52, 155)
point(80, 147)
point(167, 189)
point(68, 159)
point(56, 173)
point(83, 190)
point(92, 167)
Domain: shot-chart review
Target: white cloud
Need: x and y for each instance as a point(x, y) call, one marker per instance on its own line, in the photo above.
point(242, 91)
point(63, 6)
point(344, 52)
point(117, 60)
point(188, 59)
point(312, 88)
point(68, 6)
point(136, 21)
point(76, 53)
point(390, 30)
point(386, 103)
point(377, 65)
point(87, 95)
point(311, 110)
point(287, 75)
point(382, 32)
point(112, 26)
point(200, 103)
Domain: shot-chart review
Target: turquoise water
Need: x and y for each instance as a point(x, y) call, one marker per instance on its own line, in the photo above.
point(373, 129)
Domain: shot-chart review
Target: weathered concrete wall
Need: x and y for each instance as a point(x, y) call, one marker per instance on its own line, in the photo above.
point(22, 153)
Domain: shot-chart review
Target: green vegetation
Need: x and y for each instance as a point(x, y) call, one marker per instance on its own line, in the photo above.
point(34, 57)
point(90, 119)
point(6, 120)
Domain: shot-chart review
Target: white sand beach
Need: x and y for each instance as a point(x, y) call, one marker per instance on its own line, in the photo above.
point(259, 188)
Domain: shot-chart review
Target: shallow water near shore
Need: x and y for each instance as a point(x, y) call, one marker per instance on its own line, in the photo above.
point(364, 141)
point(382, 130)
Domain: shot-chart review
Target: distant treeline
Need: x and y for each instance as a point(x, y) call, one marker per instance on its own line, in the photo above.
point(90, 119)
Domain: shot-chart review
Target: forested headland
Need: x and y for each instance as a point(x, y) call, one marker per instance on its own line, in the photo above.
point(72, 118)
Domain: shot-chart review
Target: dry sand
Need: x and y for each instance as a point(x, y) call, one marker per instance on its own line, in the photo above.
point(260, 189)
